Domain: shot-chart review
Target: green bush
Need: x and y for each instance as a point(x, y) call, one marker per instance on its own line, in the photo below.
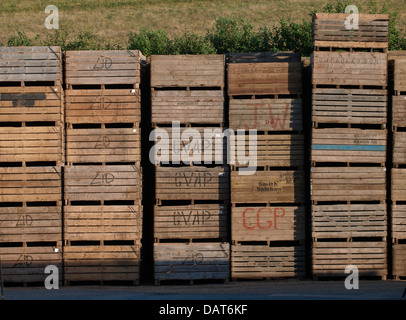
point(190, 43)
point(150, 41)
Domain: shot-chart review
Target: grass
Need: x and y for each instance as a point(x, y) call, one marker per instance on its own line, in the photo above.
point(112, 21)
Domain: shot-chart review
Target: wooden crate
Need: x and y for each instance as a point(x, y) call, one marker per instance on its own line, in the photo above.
point(349, 221)
point(268, 187)
point(31, 223)
point(398, 185)
point(187, 106)
point(192, 183)
point(199, 221)
point(350, 68)
point(98, 183)
point(331, 258)
point(102, 263)
point(32, 143)
point(264, 73)
point(27, 264)
point(103, 144)
point(348, 145)
point(349, 106)
point(272, 150)
point(109, 67)
point(262, 261)
point(103, 106)
point(399, 111)
point(399, 148)
point(23, 104)
point(193, 261)
point(272, 223)
point(329, 30)
point(103, 223)
point(188, 145)
point(31, 64)
point(266, 114)
point(187, 71)
point(399, 78)
point(348, 184)
point(399, 261)
point(19, 184)
point(399, 221)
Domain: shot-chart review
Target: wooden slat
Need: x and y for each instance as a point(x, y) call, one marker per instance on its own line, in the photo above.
point(348, 221)
point(399, 111)
point(103, 223)
point(187, 70)
point(103, 145)
point(31, 224)
point(30, 184)
point(350, 68)
point(329, 30)
point(399, 148)
point(43, 143)
point(96, 183)
point(273, 223)
point(192, 261)
point(398, 184)
point(399, 78)
point(105, 106)
point(398, 221)
point(192, 183)
point(268, 187)
point(348, 184)
point(102, 263)
point(31, 104)
point(399, 260)
point(27, 264)
point(348, 145)
point(187, 106)
point(199, 221)
point(266, 114)
point(31, 64)
point(261, 261)
point(276, 73)
point(103, 67)
point(331, 258)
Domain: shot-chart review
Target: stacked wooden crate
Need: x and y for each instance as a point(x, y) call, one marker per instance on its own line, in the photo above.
point(397, 65)
point(31, 160)
point(267, 214)
point(349, 145)
point(191, 212)
point(103, 175)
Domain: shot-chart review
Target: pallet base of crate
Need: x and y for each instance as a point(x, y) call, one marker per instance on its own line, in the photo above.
point(83, 263)
point(330, 259)
point(264, 261)
point(194, 261)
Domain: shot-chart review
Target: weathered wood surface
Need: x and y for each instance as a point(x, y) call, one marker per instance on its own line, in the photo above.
point(399, 77)
point(30, 184)
point(266, 114)
point(399, 261)
point(190, 222)
point(262, 261)
point(399, 148)
point(399, 111)
point(348, 184)
point(193, 261)
point(264, 73)
point(94, 67)
point(187, 106)
point(348, 145)
point(330, 30)
point(342, 105)
point(103, 106)
point(272, 223)
point(349, 221)
point(398, 184)
point(97, 183)
point(192, 183)
point(398, 221)
point(187, 71)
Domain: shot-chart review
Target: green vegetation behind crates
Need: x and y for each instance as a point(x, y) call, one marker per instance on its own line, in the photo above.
point(228, 34)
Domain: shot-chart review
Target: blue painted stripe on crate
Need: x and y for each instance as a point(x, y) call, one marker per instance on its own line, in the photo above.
point(347, 147)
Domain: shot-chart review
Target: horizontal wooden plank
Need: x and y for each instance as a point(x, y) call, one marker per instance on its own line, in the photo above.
point(399, 260)
point(273, 223)
point(398, 186)
point(398, 221)
point(268, 187)
point(399, 111)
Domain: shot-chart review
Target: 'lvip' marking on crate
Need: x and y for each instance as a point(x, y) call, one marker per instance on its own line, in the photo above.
point(23, 261)
point(103, 178)
point(271, 224)
point(101, 103)
point(103, 63)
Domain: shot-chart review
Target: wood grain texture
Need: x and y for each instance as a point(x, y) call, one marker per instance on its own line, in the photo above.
point(398, 221)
